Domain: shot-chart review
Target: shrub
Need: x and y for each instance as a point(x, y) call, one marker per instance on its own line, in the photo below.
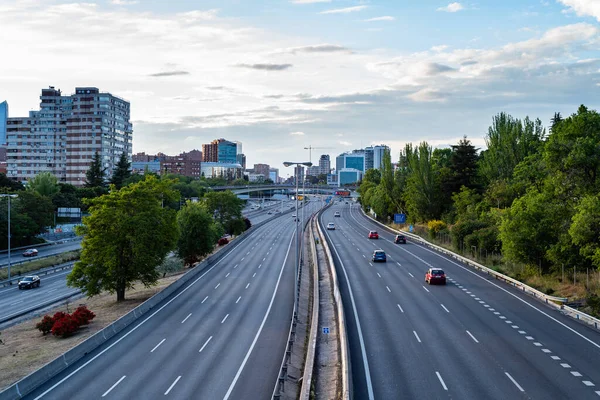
point(83, 316)
point(45, 325)
point(59, 315)
point(436, 226)
point(65, 326)
point(223, 241)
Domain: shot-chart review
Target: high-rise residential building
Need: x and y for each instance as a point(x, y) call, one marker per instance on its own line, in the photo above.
point(313, 170)
point(63, 136)
point(98, 123)
point(262, 169)
point(299, 173)
point(210, 152)
point(378, 153)
point(38, 143)
point(227, 152)
point(324, 164)
point(369, 155)
point(3, 118)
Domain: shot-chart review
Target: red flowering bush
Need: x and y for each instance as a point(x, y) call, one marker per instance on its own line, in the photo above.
point(223, 241)
point(65, 326)
point(45, 325)
point(59, 315)
point(83, 316)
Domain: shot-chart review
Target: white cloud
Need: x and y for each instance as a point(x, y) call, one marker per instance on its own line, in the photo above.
point(124, 2)
point(452, 7)
point(345, 143)
point(297, 133)
point(583, 7)
point(384, 18)
point(439, 48)
point(344, 10)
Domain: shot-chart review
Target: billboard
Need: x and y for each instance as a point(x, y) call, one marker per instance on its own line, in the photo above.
point(343, 193)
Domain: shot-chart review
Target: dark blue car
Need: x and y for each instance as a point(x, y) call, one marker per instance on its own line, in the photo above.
point(379, 256)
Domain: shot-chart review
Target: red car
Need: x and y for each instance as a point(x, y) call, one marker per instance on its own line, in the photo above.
point(435, 275)
point(373, 235)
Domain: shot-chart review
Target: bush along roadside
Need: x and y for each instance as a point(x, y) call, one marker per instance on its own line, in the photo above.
point(63, 324)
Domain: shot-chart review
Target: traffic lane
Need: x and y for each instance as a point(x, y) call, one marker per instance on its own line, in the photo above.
point(14, 301)
point(224, 334)
point(105, 357)
point(538, 327)
point(17, 256)
point(396, 366)
point(438, 346)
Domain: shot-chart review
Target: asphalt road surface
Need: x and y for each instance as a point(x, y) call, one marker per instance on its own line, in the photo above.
point(222, 336)
point(17, 255)
point(475, 338)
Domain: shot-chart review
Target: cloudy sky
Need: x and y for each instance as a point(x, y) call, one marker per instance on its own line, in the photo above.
point(280, 75)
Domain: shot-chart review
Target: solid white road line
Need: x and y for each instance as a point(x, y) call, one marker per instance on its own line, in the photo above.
point(114, 386)
point(204, 300)
point(172, 385)
point(444, 307)
point(185, 319)
point(441, 381)
point(417, 336)
point(473, 337)
point(400, 308)
point(204, 345)
point(156, 347)
point(262, 324)
point(17, 302)
point(238, 300)
point(515, 382)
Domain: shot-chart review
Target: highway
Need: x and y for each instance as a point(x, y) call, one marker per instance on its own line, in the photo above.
point(475, 338)
point(17, 255)
point(222, 336)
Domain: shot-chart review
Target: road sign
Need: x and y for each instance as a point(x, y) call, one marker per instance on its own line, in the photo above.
point(326, 331)
point(399, 218)
point(410, 228)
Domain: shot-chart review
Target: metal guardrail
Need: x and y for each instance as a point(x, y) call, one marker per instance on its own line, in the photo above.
point(344, 344)
point(556, 302)
point(309, 362)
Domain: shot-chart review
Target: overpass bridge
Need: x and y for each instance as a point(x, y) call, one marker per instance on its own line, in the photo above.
point(281, 189)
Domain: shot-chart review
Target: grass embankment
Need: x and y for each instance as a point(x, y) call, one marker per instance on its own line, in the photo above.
point(577, 285)
point(37, 264)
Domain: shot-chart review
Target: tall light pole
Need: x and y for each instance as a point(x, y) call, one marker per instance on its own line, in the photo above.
point(9, 197)
point(297, 164)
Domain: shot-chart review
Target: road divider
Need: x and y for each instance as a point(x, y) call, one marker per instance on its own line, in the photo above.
point(555, 302)
point(37, 378)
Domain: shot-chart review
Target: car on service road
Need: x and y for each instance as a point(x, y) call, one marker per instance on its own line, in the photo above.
point(400, 239)
point(379, 256)
point(373, 235)
point(331, 226)
point(30, 253)
point(435, 275)
point(29, 282)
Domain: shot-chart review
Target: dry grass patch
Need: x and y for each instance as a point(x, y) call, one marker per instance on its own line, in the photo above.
point(25, 349)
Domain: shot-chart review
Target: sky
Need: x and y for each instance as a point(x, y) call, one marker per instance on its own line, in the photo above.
point(280, 76)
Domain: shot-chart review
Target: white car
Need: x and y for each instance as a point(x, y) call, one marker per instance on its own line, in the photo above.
point(331, 226)
point(337, 214)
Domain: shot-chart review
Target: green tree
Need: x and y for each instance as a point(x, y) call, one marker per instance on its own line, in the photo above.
point(94, 177)
point(463, 166)
point(422, 193)
point(226, 209)
point(122, 172)
point(9, 184)
point(372, 175)
point(126, 237)
point(198, 232)
point(66, 196)
point(44, 183)
point(585, 229)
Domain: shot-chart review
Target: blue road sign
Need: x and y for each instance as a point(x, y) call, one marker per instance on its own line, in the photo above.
point(326, 331)
point(399, 218)
point(410, 228)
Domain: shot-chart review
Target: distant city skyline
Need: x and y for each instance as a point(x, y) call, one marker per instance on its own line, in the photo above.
point(365, 73)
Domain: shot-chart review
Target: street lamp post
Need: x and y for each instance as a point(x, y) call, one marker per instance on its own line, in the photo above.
point(289, 164)
point(9, 196)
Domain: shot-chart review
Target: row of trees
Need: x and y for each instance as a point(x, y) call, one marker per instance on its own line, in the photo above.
point(130, 231)
point(532, 195)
